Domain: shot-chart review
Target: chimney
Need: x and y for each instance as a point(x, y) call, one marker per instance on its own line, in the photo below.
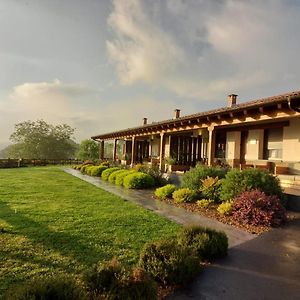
point(176, 113)
point(231, 100)
point(145, 121)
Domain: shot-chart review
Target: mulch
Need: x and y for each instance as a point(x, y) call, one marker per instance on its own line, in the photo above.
point(211, 212)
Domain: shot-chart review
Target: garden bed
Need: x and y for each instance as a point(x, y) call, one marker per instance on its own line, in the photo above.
point(212, 213)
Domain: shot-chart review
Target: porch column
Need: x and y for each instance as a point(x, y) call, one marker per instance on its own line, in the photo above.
point(101, 150)
point(161, 150)
point(211, 145)
point(132, 151)
point(115, 149)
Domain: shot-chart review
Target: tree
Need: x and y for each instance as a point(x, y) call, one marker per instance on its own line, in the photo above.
point(43, 141)
point(88, 149)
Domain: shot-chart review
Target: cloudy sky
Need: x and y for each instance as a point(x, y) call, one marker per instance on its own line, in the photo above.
point(101, 65)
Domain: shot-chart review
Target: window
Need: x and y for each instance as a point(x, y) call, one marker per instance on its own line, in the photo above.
point(273, 143)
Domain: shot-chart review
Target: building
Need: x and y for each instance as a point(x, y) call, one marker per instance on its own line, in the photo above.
point(263, 133)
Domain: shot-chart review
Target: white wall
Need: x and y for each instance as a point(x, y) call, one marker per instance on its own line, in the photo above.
point(291, 141)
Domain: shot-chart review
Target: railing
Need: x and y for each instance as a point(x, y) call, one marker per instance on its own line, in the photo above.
point(16, 163)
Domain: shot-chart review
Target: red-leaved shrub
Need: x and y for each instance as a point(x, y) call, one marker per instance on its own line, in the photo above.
point(256, 208)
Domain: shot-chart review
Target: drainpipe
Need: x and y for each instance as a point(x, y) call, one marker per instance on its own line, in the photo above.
point(291, 106)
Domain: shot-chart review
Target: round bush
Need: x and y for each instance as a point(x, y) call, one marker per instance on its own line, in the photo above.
point(165, 191)
point(138, 180)
point(84, 167)
point(120, 177)
point(103, 278)
point(207, 243)
point(184, 195)
point(225, 208)
point(105, 174)
point(169, 263)
point(88, 170)
point(49, 288)
point(112, 177)
point(97, 170)
point(192, 178)
point(257, 208)
point(136, 285)
point(237, 181)
point(111, 280)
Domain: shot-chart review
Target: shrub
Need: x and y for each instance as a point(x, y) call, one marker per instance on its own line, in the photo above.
point(204, 203)
point(111, 280)
point(210, 188)
point(165, 191)
point(97, 170)
point(156, 174)
point(184, 195)
point(237, 182)
point(169, 263)
point(192, 178)
point(103, 277)
point(48, 288)
point(138, 180)
point(105, 174)
point(206, 242)
point(112, 176)
point(138, 285)
point(225, 208)
point(88, 170)
point(120, 177)
point(257, 208)
point(84, 167)
point(104, 163)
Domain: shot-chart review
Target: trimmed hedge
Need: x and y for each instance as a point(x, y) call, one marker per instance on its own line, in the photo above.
point(84, 167)
point(169, 263)
point(105, 174)
point(184, 195)
point(97, 170)
point(112, 177)
point(165, 191)
point(138, 180)
point(207, 243)
point(237, 181)
point(120, 177)
point(48, 288)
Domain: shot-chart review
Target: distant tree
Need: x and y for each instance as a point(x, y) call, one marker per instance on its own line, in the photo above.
point(12, 151)
point(88, 149)
point(42, 140)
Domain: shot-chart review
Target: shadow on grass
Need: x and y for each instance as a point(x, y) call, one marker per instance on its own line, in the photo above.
point(71, 246)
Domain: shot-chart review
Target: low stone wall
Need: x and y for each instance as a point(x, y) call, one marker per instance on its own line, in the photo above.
point(17, 163)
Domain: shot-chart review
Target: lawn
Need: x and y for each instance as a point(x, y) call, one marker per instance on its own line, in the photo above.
point(51, 222)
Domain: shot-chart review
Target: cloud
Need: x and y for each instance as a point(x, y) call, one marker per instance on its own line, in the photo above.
point(205, 49)
point(141, 49)
point(79, 106)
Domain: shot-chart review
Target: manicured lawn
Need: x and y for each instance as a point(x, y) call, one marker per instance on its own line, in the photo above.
point(51, 222)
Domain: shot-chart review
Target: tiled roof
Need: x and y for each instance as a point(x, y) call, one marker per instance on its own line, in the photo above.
point(238, 107)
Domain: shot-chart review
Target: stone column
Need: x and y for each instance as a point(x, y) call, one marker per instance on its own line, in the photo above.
point(115, 149)
point(211, 145)
point(101, 150)
point(132, 151)
point(161, 151)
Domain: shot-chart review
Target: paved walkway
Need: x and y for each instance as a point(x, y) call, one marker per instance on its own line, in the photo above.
point(267, 267)
point(257, 267)
point(177, 214)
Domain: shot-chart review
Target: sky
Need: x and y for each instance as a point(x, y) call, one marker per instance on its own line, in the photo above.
point(101, 65)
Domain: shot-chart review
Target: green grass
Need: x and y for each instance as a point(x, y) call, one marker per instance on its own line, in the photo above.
point(52, 222)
